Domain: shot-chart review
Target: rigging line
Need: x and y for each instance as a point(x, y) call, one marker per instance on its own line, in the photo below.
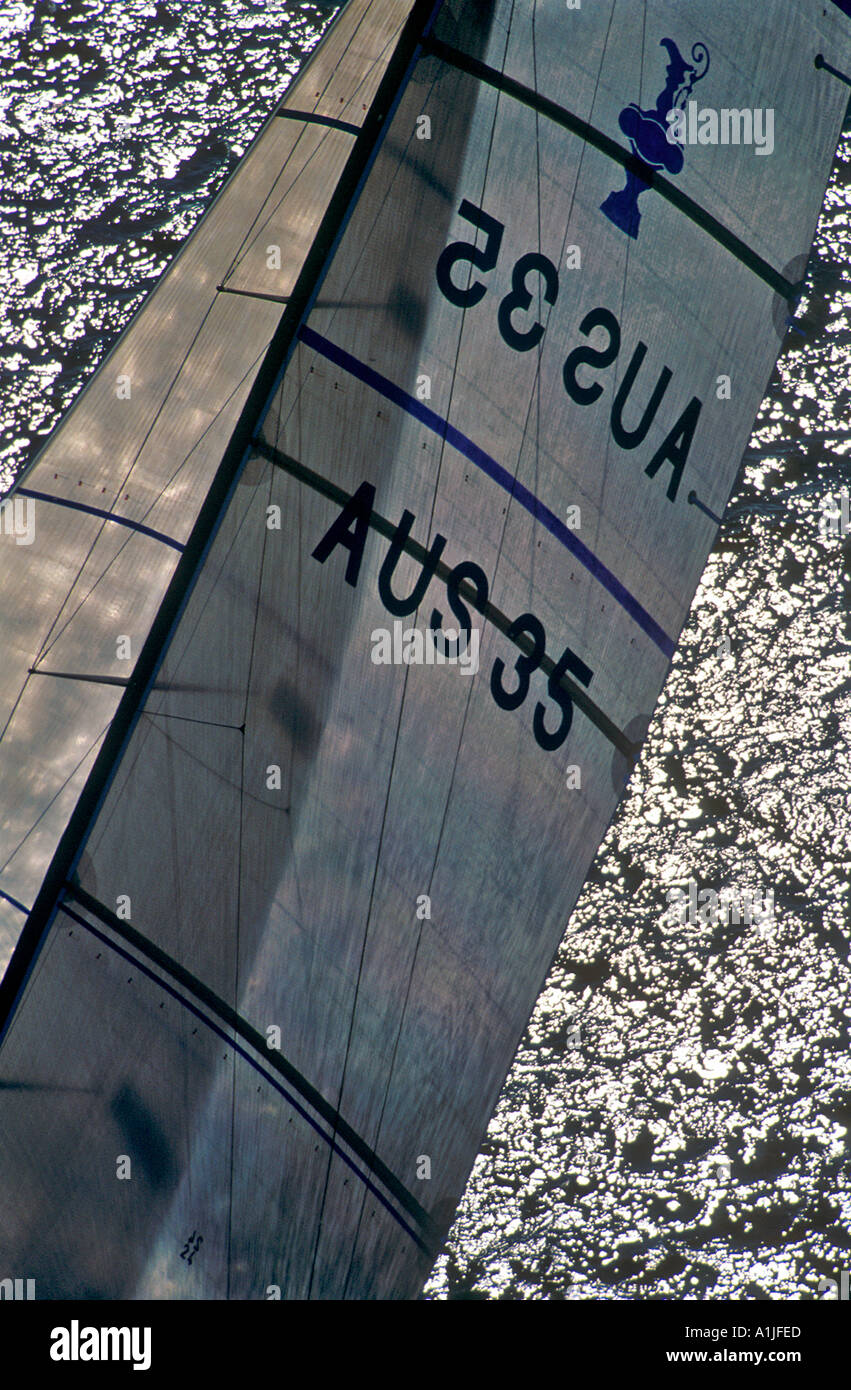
point(257, 225)
point(820, 62)
point(466, 590)
point(188, 719)
point(78, 676)
point(296, 873)
point(431, 14)
point(253, 294)
point(137, 455)
point(259, 212)
point(362, 957)
point(603, 478)
point(272, 1060)
point(71, 775)
point(586, 617)
point(101, 512)
point(533, 411)
point(149, 431)
point(694, 501)
point(498, 474)
point(630, 162)
point(236, 956)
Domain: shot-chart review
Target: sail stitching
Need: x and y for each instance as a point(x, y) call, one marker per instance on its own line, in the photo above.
point(630, 162)
point(270, 1061)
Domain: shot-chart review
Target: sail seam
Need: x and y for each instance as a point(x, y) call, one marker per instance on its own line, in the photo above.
point(498, 474)
point(560, 115)
point(466, 589)
point(271, 1060)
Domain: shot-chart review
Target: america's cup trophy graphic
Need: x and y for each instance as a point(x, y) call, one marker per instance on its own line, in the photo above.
point(648, 132)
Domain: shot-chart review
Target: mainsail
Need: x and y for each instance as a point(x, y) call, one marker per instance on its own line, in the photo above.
point(281, 959)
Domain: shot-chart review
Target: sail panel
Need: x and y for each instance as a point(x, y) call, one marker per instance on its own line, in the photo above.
point(116, 491)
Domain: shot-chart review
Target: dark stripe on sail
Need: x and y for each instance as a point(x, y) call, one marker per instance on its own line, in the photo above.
point(314, 118)
point(79, 676)
point(631, 162)
point(253, 294)
point(271, 1059)
point(694, 501)
point(14, 901)
point(498, 474)
point(494, 615)
point(820, 62)
point(101, 512)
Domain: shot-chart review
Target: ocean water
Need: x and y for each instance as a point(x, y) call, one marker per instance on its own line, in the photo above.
point(676, 1121)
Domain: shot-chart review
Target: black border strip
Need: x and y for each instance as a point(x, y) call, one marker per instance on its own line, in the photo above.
point(272, 1059)
point(212, 510)
point(631, 162)
point(494, 615)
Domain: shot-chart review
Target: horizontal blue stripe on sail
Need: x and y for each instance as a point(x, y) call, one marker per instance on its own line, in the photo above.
point(99, 511)
point(532, 504)
point(14, 901)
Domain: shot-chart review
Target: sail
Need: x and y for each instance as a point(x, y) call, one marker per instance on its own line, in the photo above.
point(92, 534)
point(287, 947)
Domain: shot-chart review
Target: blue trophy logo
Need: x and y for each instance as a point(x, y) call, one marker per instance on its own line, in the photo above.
point(648, 131)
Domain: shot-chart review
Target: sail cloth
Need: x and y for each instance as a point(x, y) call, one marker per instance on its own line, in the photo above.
point(318, 885)
point(114, 495)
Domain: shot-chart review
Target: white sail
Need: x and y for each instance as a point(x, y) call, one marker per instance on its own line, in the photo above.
point(319, 876)
point(97, 525)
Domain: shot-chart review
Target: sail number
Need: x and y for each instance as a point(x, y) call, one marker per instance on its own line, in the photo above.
point(534, 273)
point(485, 258)
point(350, 531)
